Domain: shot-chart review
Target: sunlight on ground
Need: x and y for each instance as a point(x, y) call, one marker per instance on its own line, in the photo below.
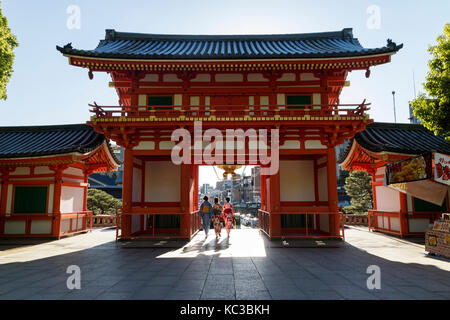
point(392, 248)
point(67, 245)
point(242, 243)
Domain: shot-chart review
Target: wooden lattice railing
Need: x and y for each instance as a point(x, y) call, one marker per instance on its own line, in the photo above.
point(218, 111)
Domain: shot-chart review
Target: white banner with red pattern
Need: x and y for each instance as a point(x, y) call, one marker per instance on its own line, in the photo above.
point(442, 168)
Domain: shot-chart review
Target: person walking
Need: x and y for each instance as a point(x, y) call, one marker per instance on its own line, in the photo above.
point(217, 210)
point(228, 215)
point(206, 211)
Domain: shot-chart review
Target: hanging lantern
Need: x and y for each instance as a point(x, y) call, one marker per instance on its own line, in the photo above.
point(229, 169)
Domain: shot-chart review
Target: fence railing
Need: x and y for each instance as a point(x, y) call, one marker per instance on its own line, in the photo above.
point(104, 220)
point(356, 219)
point(264, 221)
point(385, 224)
point(265, 216)
point(251, 111)
point(74, 224)
point(195, 222)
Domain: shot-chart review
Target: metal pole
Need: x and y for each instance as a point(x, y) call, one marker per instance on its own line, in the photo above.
point(393, 98)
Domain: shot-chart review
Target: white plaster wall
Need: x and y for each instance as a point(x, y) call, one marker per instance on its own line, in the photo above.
point(42, 170)
point(325, 222)
point(142, 100)
point(256, 77)
point(74, 171)
point(264, 100)
point(32, 179)
point(387, 199)
point(322, 180)
point(307, 77)
point(395, 224)
point(386, 222)
point(20, 171)
point(409, 203)
point(229, 77)
point(316, 98)
point(202, 77)
point(177, 99)
point(71, 199)
point(287, 77)
point(73, 180)
point(380, 222)
point(15, 227)
point(281, 99)
point(65, 225)
point(145, 145)
point(41, 227)
point(171, 78)
point(297, 180)
point(9, 199)
point(166, 145)
point(151, 77)
point(314, 144)
point(290, 144)
point(51, 191)
point(418, 225)
point(135, 223)
point(195, 100)
point(162, 181)
point(137, 185)
point(74, 224)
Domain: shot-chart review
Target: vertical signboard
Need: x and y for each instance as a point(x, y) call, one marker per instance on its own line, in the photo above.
point(442, 168)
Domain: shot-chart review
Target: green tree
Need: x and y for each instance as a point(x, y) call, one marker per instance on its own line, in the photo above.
point(358, 187)
point(7, 43)
point(434, 110)
point(100, 202)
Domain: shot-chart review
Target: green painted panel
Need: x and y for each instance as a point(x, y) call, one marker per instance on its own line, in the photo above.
point(297, 101)
point(167, 221)
point(425, 206)
point(30, 199)
point(296, 221)
point(160, 101)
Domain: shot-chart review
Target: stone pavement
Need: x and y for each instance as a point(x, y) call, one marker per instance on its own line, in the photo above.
point(241, 268)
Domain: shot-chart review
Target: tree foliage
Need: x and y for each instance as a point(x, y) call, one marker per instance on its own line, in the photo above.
point(100, 202)
point(7, 43)
point(434, 110)
point(358, 187)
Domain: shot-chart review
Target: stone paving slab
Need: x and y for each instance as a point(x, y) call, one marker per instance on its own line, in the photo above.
point(246, 266)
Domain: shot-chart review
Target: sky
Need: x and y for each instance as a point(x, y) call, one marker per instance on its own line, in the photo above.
point(44, 89)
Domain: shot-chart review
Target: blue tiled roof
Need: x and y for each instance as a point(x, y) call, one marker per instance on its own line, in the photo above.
point(158, 46)
point(98, 179)
point(398, 138)
point(31, 141)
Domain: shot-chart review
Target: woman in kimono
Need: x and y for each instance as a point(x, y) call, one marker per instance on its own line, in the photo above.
point(217, 210)
point(206, 211)
point(228, 215)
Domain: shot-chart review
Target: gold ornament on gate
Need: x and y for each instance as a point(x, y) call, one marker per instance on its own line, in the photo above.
point(229, 169)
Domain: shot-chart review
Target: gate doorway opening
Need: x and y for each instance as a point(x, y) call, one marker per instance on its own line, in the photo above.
point(298, 201)
point(243, 188)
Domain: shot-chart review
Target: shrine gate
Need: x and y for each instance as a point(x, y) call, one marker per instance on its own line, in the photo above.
point(286, 84)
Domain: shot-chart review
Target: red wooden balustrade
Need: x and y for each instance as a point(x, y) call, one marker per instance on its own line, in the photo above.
point(386, 216)
point(264, 218)
point(85, 225)
point(313, 110)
